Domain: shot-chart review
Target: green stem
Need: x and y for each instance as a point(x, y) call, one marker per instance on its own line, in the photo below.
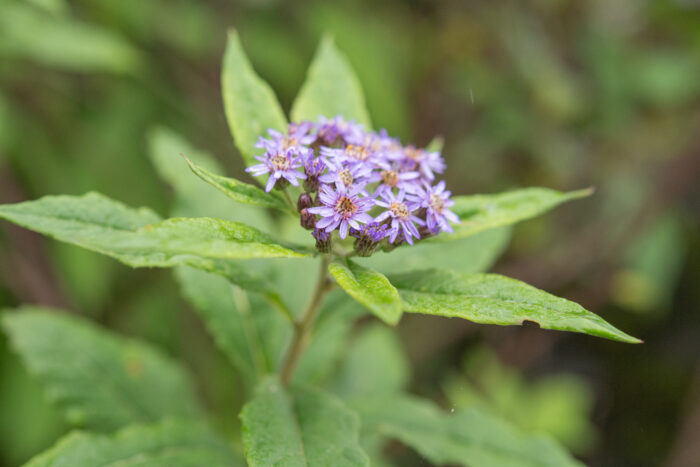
point(303, 327)
point(289, 200)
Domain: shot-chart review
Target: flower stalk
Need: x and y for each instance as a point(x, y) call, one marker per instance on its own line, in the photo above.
point(304, 325)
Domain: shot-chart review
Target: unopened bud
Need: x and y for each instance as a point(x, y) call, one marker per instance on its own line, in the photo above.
point(304, 202)
point(307, 220)
point(323, 240)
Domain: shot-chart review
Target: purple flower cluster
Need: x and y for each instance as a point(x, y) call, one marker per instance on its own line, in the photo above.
point(367, 184)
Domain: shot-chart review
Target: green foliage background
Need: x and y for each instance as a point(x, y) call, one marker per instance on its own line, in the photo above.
point(558, 93)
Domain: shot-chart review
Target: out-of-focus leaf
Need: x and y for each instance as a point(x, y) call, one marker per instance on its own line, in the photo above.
point(470, 437)
point(30, 423)
point(331, 89)
point(483, 212)
point(251, 337)
point(374, 365)
point(298, 427)
point(192, 197)
point(558, 405)
point(135, 237)
point(250, 104)
point(102, 381)
point(64, 43)
point(242, 192)
point(331, 331)
point(653, 264)
point(368, 287)
point(494, 299)
point(169, 443)
point(475, 253)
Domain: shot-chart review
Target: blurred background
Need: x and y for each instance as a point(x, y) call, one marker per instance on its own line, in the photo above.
point(558, 93)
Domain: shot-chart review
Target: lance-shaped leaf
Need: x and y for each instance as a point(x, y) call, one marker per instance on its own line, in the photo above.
point(251, 334)
point(250, 104)
point(135, 237)
point(299, 427)
point(370, 288)
point(470, 437)
point(101, 380)
point(483, 212)
point(168, 443)
point(242, 192)
point(494, 299)
point(331, 89)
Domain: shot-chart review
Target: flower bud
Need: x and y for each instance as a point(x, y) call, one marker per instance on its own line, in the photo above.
point(307, 219)
point(304, 201)
point(323, 240)
point(368, 237)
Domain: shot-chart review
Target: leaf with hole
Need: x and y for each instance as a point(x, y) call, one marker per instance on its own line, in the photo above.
point(495, 299)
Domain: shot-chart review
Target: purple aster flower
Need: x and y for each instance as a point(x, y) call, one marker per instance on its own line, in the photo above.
point(342, 208)
point(436, 200)
point(313, 168)
point(426, 162)
point(278, 165)
point(394, 178)
point(347, 175)
point(400, 210)
point(330, 131)
point(298, 138)
point(368, 237)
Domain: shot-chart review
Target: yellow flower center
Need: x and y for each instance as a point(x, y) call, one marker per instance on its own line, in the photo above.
point(399, 210)
point(345, 207)
point(390, 177)
point(280, 162)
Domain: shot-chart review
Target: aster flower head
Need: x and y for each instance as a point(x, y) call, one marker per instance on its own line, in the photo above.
point(400, 211)
point(347, 175)
point(436, 201)
point(280, 165)
point(357, 174)
point(297, 139)
point(342, 208)
point(337, 130)
point(368, 237)
point(426, 162)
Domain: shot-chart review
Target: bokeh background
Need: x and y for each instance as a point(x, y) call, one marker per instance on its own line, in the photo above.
point(558, 93)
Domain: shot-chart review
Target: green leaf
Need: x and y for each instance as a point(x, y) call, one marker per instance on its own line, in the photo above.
point(192, 197)
point(330, 338)
point(375, 365)
point(63, 43)
point(102, 381)
point(169, 443)
point(475, 253)
point(135, 237)
point(250, 104)
point(470, 437)
point(242, 192)
point(250, 334)
point(331, 89)
point(299, 427)
point(482, 212)
point(494, 299)
point(368, 287)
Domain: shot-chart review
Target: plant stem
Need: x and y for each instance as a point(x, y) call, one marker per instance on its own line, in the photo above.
point(289, 200)
point(303, 326)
